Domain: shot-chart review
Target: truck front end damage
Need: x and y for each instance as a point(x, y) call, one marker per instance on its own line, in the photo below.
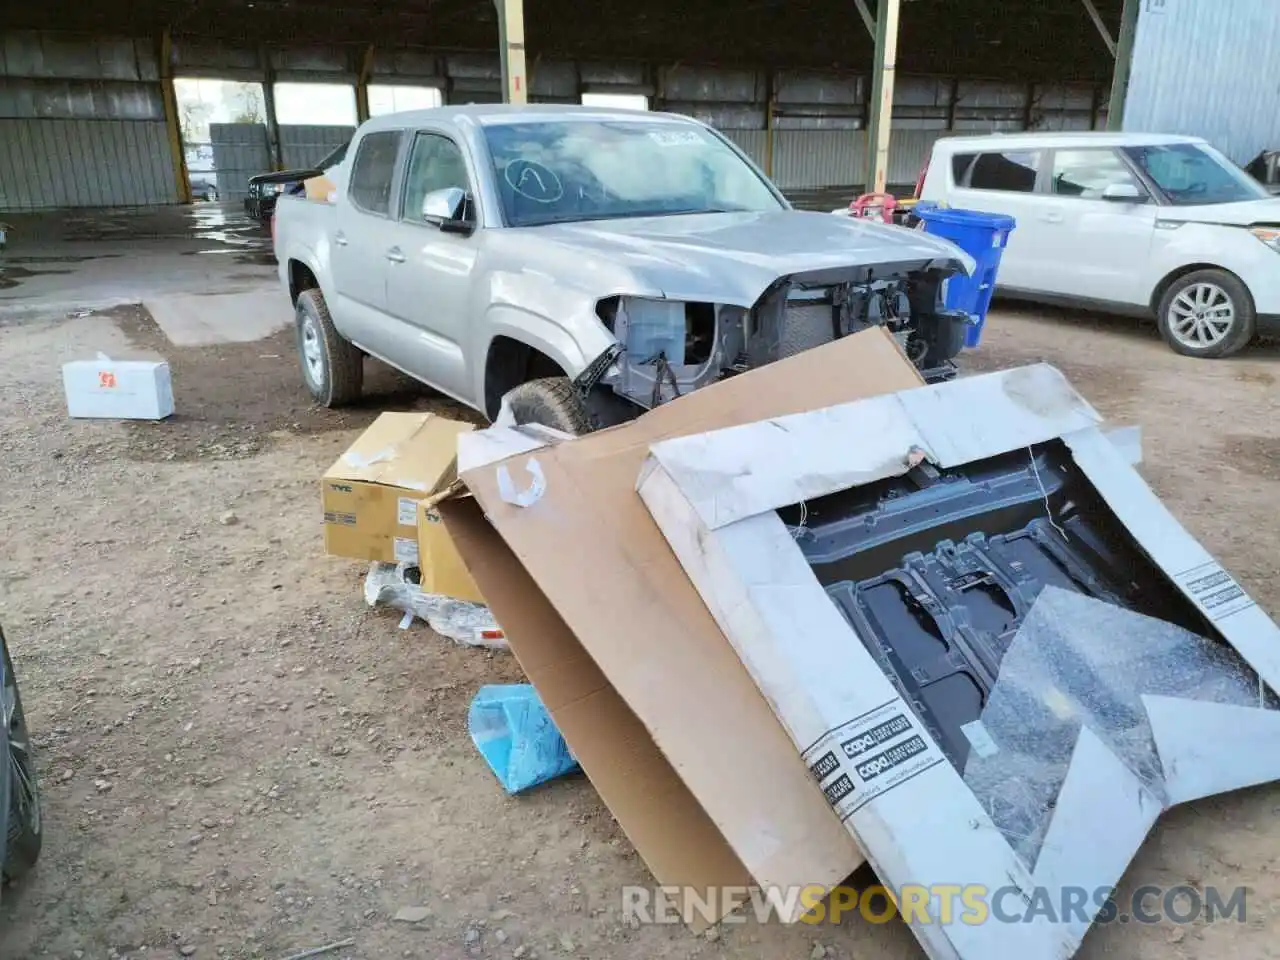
point(666, 348)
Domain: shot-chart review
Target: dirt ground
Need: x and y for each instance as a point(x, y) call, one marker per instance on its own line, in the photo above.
point(239, 759)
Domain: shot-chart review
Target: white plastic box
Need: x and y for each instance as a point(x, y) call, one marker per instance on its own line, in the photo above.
point(118, 389)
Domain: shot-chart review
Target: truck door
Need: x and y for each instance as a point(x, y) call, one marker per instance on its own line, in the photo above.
point(430, 278)
point(361, 240)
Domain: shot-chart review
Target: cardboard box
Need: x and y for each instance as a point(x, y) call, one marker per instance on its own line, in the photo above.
point(650, 696)
point(443, 569)
point(370, 495)
point(1098, 714)
point(118, 389)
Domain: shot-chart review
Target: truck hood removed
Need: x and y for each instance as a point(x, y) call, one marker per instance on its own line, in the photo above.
point(732, 258)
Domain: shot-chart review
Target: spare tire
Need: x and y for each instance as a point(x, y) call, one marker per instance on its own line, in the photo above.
point(550, 402)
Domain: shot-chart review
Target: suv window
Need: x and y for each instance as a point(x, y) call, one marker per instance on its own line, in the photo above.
point(435, 164)
point(1011, 171)
point(1086, 173)
point(374, 169)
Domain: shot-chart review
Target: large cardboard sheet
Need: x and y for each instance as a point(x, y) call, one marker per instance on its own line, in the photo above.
point(715, 497)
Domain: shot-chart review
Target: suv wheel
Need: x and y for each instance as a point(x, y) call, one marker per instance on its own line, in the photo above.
point(23, 837)
point(1207, 314)
point(332, 368)
point(550, 402)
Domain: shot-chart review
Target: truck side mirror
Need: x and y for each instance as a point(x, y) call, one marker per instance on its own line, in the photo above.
point(1123, 193)
point(446, 209)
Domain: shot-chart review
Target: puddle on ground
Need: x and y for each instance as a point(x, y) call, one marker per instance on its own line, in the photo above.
point(236, 400)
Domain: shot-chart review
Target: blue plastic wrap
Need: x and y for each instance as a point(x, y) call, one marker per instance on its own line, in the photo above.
point(516, 735)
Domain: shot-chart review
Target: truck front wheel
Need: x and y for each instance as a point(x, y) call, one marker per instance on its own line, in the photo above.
point(332, 367)
point(550, 402)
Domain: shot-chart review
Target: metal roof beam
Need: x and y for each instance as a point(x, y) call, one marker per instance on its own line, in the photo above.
point(867, 18)
point(1096, 17)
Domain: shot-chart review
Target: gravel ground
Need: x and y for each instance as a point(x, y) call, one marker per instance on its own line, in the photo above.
point(240, 760)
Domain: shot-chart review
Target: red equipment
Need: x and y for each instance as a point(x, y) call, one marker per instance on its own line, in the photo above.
point(874, 206)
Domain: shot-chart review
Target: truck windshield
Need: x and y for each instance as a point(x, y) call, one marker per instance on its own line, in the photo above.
point(599, 169)
point(1192, 175)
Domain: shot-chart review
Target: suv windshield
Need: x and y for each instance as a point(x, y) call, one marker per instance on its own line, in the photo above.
point(1193, 175)
point(598, 169)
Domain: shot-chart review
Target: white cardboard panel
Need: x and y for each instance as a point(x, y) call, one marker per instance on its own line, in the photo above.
point(715, 495)
point(731, 474)
point(1190, 735)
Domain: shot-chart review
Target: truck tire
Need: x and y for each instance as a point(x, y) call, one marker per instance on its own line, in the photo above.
point(22, 822)
point(550, 402)
point(332, 367)
point(1208, 313)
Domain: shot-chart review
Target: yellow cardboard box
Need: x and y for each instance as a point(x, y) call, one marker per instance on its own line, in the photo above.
point(443, 570)
point(370, 495)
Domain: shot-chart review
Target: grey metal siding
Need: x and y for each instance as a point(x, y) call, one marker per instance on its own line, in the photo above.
point(45, 164)
point(239, 152)
point(1208, 68)
point(809, 159)
point(754, 143)
point(81, 124)
point(302, 146)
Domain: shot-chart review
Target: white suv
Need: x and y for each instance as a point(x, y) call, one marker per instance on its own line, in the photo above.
point(1128, 223)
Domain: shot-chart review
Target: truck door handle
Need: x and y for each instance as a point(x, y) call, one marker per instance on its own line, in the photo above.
point(1053, 218)
point(395, 256)
point(340, 239)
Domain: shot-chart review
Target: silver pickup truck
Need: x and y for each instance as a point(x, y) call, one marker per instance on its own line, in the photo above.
point(582, 265)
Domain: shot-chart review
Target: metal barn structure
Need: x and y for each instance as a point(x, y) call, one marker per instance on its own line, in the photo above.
point(817, 92)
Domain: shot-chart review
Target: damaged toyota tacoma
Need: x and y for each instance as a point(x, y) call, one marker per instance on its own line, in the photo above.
point(580, 266)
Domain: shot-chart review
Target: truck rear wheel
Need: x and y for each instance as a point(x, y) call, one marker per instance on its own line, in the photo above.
point(332, 367)
point(22, 823)
point(550, 402)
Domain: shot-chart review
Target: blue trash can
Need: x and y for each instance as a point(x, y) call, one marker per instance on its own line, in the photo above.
point(983, 236)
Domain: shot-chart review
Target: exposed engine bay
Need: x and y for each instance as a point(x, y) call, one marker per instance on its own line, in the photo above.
point(668, 348)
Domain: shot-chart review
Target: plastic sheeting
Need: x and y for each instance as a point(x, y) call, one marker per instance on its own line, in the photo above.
point(517, 737)
point(1079, 664)
point(467, 623)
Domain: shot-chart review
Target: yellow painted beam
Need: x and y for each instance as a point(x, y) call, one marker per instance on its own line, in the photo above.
point(881, 120)
point(171, 122)
point(515, 81)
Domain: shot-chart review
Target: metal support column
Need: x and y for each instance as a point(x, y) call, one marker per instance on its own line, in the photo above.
point(881, 119)
point(362, 84)
point(953, 102)
point(511, 48)
point(770, 109)
point(182, 179)
point(1124, 60)
point(269, 105)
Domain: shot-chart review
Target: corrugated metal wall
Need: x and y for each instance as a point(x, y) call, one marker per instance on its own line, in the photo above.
point(812, 159)
point(754, 143)
point(46, 164)
point(240, 151)
point(81, 124)
point(302, 146)
point(1208, 68)
point(101, 99)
